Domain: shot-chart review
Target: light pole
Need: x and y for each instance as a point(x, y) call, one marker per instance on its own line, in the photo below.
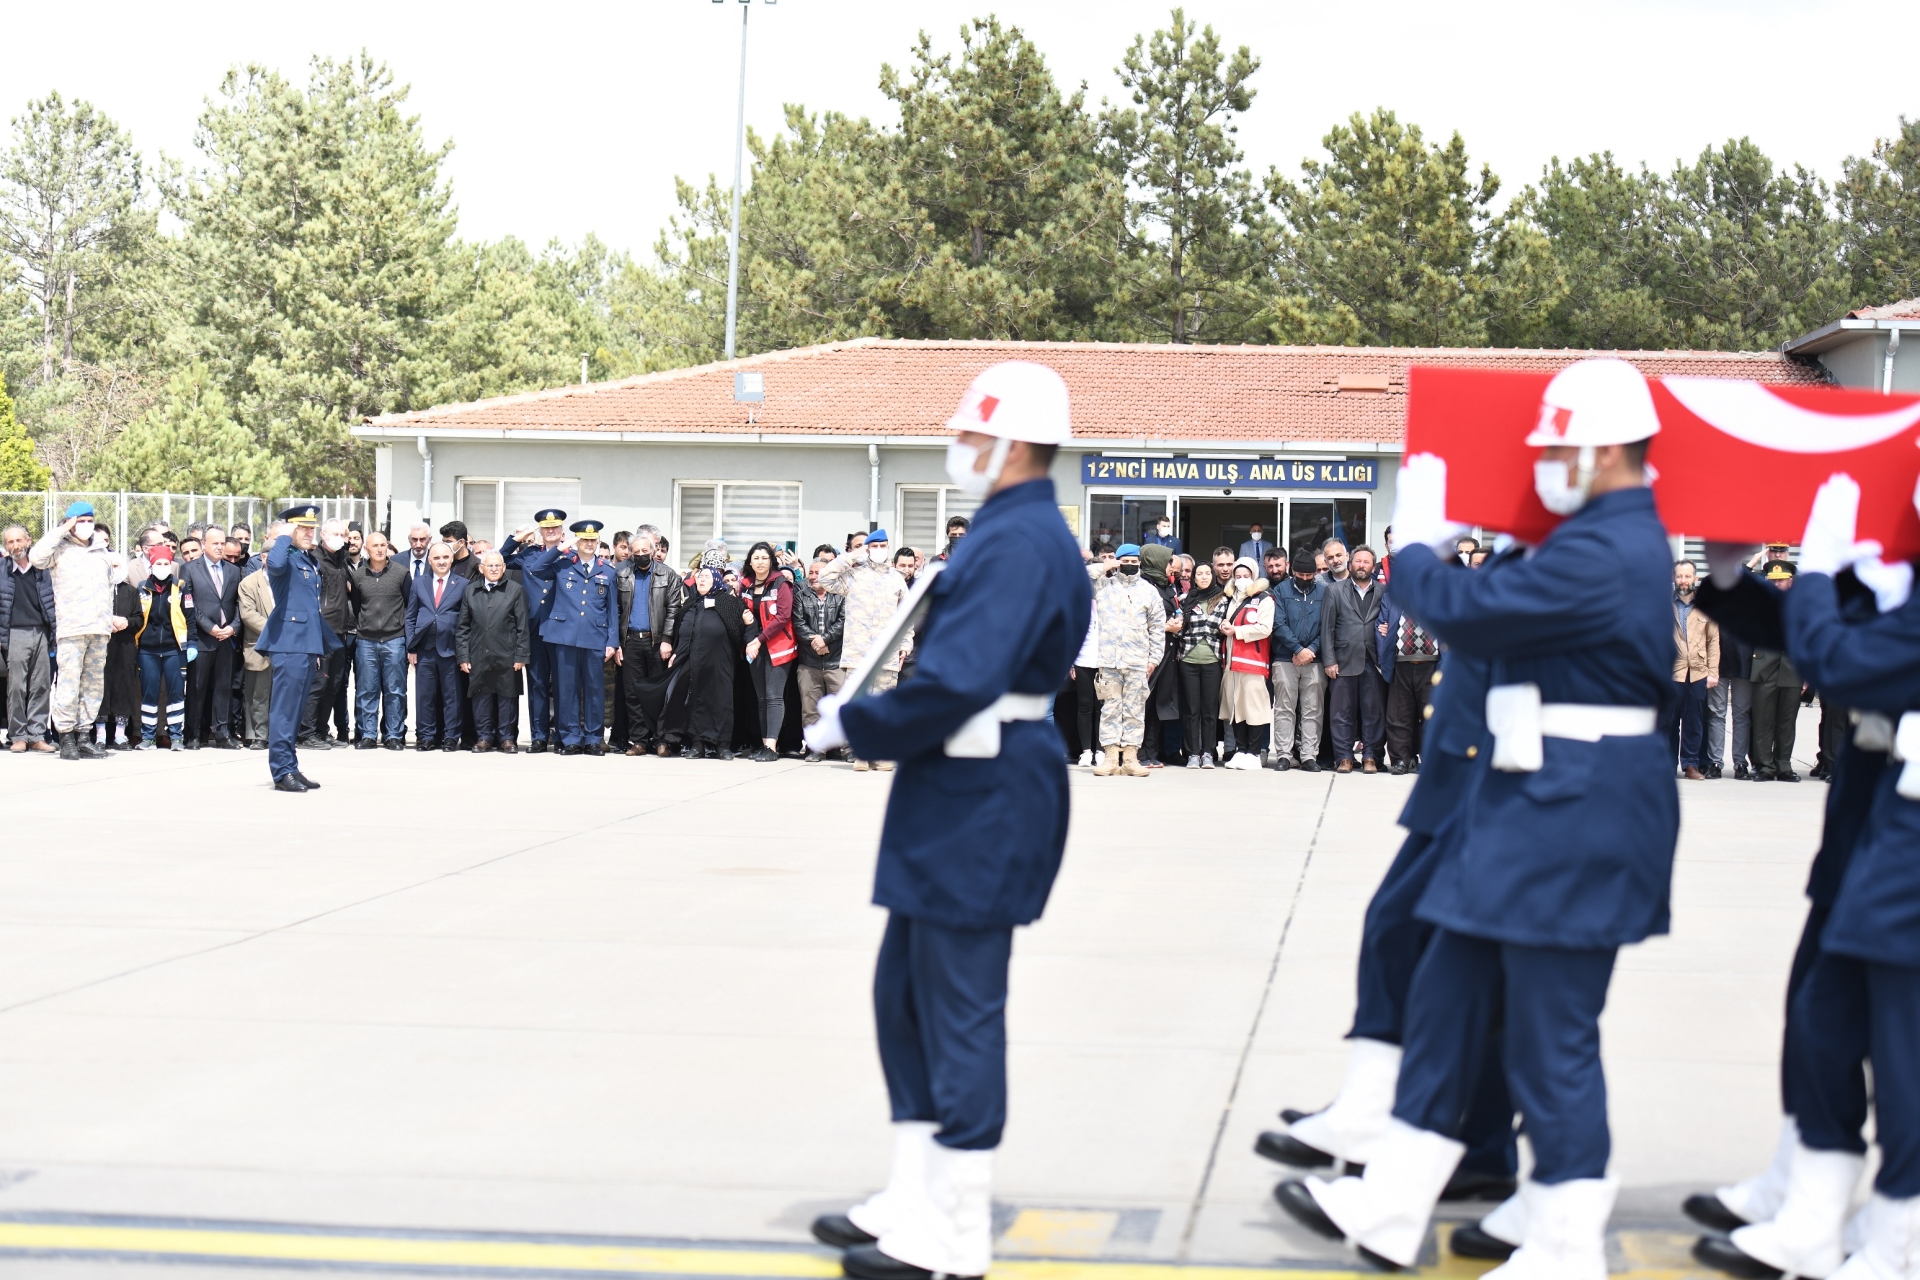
point(739, 158)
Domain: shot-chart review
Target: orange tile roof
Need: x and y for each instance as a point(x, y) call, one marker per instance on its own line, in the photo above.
point(888, 387)
point(1909, 309)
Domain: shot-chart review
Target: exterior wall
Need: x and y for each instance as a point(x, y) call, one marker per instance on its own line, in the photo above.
point(1861, 362)
point(627, 483)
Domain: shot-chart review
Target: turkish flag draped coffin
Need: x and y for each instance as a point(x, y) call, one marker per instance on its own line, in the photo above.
point(1735, 461)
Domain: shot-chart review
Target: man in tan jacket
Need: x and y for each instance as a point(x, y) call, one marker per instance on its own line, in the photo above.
point(1696, 669)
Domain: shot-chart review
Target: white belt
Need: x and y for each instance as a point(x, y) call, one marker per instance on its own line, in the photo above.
point(1872, 731)
point(979, 737)
point(1906, 748)
point(1518, 721)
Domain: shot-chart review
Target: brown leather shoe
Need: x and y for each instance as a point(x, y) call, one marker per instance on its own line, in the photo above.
point(508, 748)
point(1345, 766)
point(19, 744)
point(1368, 766)
point(40, 745)
point(1694, 775)
point(639, 749)
point(662, 752)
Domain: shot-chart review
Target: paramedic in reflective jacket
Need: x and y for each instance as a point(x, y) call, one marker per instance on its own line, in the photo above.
point(974, 829)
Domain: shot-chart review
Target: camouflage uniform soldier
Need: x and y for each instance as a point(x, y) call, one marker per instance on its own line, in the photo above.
point(1133, 639)
point(83, 573)
point(874, 590)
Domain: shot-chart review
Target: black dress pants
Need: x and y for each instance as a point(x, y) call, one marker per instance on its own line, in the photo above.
point(210, 691)
point(1407, 701)
point(1200, 699)
point(332, 677)
point(1776, 720)
point(640, 664)
point(1086, 708)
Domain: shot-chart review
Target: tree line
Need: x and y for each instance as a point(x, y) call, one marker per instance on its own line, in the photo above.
point(220, 324)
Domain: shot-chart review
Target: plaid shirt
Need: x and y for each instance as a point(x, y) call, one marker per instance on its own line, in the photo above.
point(1414, 641)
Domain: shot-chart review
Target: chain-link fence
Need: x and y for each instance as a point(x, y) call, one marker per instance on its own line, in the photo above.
point(124, 515)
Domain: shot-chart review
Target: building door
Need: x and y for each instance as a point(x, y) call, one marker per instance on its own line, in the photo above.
point(1120, 518)
point(1311, 521)
point(1206, 523)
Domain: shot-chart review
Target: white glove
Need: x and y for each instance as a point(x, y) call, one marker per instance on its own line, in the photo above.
point(1420, 504)
point(825, 734)
point(1726, 561)
point(1828, 545)
point(1891, 583)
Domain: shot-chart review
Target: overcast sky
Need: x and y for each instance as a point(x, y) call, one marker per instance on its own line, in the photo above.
point(572, 116)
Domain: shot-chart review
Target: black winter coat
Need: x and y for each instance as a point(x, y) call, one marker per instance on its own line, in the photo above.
point(493, 633)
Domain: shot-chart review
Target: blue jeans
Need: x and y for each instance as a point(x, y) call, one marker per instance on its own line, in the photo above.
point(163, 685)
point(380, 681)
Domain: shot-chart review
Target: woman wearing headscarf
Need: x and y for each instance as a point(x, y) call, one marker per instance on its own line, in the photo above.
point(1163, 692)
point(767, 595)
point(120, 703)
point(1201, 661)
point(1246, 702)
point(706, 644)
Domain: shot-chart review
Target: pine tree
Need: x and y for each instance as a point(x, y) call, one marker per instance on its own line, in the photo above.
point(189, 443)
point(19, 470)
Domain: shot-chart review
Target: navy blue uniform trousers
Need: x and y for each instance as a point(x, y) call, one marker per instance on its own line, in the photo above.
point(1848, 1011)
point(540, 688)
point(1391, 943)
point(940, 1005)
point(579, 694)
point(1545, 1003)
point(293, 677)
point(437, 713)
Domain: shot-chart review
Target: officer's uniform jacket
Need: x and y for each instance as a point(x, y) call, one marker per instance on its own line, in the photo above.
point(1578, 854)
point(295, 625)
point(539, 590)
point(1871, 666)
point(975, 843)
point(1131, 619)
point(873, 592)
point(583, 609)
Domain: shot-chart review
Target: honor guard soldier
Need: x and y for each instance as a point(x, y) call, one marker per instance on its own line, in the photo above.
point(297, 637)
point(1392, 940)
point(551, 523)
point(584, 631)
point(974, 829)
point(1564, 848)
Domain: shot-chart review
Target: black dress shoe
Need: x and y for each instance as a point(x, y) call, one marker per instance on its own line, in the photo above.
point(1309, 766)
point(224, 744)
point(306, 782)
point(724, 753)
point(256, 744)
point(452, 744)
point(764, 756)
point(366, 744)
point(565, 750)
point(836, 1231)
point(1465, 1184)
point(1788, 776)
point(537, 746)
point(313, 744)
point(194, 744)
point(1399, 769)
point(1469, 1241)
point(1723, 1254)
point(425, 744)
point(690, 752)
point(1294, 1115)
point(1706, 1209)
point(1304, 1209)
point(1289, 1150)
point(289, 782)
point(866, 1262)
point(394, 744)
point(596, 749)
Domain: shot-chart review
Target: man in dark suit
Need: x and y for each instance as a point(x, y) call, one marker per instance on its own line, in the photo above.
point(297, 638)
point(433, 613)
point(1349, 624)
point(212, 583)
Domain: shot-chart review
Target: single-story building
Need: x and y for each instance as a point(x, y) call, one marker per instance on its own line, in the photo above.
point(809, 445)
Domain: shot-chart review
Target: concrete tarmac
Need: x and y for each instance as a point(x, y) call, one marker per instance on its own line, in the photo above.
point(460, 998)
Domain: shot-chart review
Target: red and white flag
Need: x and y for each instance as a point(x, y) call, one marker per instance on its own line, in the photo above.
point(1735, 461)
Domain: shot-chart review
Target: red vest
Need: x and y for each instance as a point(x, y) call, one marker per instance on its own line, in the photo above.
point(776, 627)
point(1255, 657)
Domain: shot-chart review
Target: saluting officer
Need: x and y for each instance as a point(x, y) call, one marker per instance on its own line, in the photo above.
point(583, 629)
point(974, 830)
point(297, 637)
point(1392, 941)
point(551, 523)
point(1565, 845)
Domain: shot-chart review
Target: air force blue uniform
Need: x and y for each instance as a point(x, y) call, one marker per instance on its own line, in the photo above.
point(1544, 874)
point(1861, 999)
point(297, 637)
point(540, 663)
point(970, 846)
point(581, 626)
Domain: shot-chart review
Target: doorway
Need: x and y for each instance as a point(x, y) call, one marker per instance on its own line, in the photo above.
point(1206, 523)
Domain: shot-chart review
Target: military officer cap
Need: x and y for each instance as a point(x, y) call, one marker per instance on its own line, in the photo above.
point(308, 514)
point(587, 528)
point(1777, 570)
point(551, 518)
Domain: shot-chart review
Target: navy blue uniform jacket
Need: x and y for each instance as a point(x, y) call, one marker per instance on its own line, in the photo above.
point(970, 843)
point(582, 609)
point(539, 590)
point(295, 625)
point(1580, 853)
point(428, 625)
point(1873, 666)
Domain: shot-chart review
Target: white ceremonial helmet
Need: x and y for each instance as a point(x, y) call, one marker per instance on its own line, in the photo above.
point(1016, 400)
point(1595, 402)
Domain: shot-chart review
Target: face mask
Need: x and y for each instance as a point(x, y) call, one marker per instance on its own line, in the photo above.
point(1557, 486)
point(877, 554)
point(963, 457)
point(1130, 569)
point(163, 570)
point(333, 542)
point(84, 531)
point(643, 561)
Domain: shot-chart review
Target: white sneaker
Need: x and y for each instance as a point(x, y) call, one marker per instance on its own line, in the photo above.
point(1193, 762)
point(1086, 760)
point(1099, 757)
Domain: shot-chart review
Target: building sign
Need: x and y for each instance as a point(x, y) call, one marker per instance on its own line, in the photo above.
point(1231, 473)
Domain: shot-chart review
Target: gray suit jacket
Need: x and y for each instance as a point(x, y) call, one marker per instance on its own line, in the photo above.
point(1347, 626)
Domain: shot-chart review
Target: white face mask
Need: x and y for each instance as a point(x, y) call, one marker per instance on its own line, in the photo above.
point(84, 531)
point(163, 570)
point(963, 457)
point(1561, 490)
point(877, 554)
point(333, 542)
